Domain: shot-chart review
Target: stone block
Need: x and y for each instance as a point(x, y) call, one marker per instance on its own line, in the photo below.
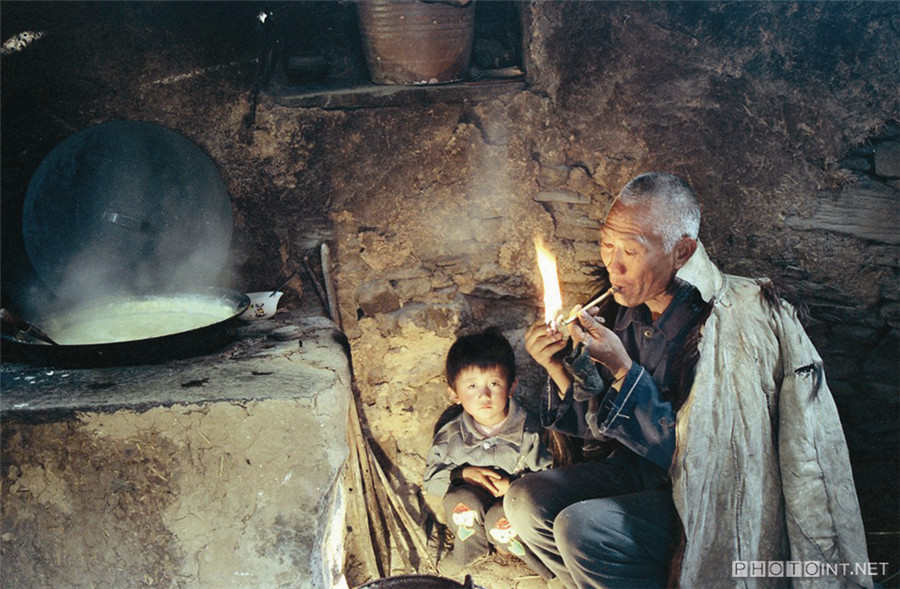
point(887, 159)
point(573, 223)
point(377, 296)
point(380, 251)
point(865, 209)
point(561, 196)
point(550, 176)
point(442, 320)
point(891, 314)
point(582, 182)
point(881, 368)
point(860, 164)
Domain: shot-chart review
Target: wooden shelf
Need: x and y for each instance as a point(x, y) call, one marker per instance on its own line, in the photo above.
point(349, 95)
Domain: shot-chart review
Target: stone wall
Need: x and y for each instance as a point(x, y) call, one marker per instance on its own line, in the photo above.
point(781, 138)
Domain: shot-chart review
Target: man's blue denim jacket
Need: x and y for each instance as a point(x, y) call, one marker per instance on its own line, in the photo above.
point(639, 414)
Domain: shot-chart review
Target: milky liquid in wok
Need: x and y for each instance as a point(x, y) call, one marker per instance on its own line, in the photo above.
point(123, 320)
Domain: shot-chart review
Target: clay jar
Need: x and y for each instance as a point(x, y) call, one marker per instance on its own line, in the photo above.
point(413, 42)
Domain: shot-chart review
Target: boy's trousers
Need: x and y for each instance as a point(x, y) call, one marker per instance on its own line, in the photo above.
point(609, 523)
point(477, 520)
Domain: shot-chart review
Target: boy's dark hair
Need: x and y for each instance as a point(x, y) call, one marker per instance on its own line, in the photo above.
point(486, 349)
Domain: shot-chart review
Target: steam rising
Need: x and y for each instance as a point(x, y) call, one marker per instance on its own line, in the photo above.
point(126, 208)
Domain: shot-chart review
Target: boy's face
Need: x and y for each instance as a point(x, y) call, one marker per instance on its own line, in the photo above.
point(483, 393)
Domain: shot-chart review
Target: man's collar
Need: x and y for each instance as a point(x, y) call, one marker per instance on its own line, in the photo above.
point(702, 273)
point(671, 320)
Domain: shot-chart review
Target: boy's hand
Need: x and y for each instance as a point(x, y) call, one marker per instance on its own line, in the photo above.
point(541, 344)
point(492, 481)
point(502, 485)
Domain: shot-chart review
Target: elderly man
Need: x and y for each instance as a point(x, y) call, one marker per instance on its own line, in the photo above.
point(724, 447)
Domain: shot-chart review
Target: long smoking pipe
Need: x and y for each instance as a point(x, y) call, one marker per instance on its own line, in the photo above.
point(612, 290)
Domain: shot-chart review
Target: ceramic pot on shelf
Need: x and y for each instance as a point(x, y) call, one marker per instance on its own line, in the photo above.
point(416, 42)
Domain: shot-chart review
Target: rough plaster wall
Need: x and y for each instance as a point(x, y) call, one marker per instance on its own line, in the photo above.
point(213, 495)
point(756, 117)
point(759, 117)
point(449, 246)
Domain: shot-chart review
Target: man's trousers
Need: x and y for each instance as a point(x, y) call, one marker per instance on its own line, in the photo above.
point(603, 524)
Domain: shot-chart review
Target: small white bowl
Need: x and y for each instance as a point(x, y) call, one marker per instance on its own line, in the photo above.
point(262, 305)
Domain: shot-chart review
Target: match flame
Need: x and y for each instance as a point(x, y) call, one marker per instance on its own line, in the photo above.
point(552, 297)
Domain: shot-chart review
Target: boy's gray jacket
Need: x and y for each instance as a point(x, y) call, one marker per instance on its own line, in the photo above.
point(761, 470)
point(515, 449)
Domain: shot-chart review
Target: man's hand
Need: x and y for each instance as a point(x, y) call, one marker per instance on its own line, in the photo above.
point(603, 345)
point(495, 483)
point(541, 344)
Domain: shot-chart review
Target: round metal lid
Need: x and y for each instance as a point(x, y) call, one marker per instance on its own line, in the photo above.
point(126, 206)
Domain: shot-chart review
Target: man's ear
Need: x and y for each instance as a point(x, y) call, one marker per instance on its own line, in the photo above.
point(683, 251)
point(454, 398)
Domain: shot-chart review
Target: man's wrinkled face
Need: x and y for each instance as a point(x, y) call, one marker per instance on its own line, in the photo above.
point(634, 256)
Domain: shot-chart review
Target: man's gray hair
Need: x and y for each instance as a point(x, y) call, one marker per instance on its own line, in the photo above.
point(675, 209)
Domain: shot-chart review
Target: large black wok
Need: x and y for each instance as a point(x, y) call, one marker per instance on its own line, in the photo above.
point(152, 350)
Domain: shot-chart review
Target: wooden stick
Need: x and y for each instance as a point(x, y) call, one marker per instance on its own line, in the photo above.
point(333, 309)
point(374, 544)
point(413, 529)
point(593, 304)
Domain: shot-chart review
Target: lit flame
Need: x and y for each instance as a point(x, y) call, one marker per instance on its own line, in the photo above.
point(552, 297)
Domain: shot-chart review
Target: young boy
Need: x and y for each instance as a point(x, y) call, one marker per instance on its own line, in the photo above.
point(475, 456)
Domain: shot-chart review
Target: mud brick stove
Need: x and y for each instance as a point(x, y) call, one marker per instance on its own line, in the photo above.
point(215, 471)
